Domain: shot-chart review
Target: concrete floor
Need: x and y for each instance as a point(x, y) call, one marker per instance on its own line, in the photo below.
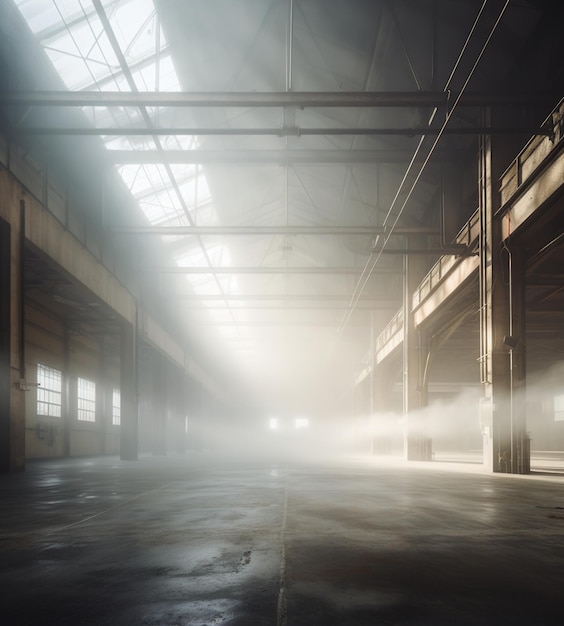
point(203, 540)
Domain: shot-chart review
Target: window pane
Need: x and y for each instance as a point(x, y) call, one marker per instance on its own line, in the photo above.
point(49, 388)
point(86, 400)
point(116, 407)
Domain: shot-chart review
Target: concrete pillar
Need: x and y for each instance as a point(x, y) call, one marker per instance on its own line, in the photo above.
point(12, 366)
point(105, 393)
point(177, 410)
point(502, 321)
point(515, 342)
point(160, 404)
point(5, 347)
point(417, 444)
point(102, 397)
point(68, 396)
point(129, 430)
point(12, 401)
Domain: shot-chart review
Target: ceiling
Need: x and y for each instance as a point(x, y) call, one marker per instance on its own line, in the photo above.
point(314, 143)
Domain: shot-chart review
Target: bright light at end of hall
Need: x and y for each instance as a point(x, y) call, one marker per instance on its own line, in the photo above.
point(273, 423)
point(301, 422)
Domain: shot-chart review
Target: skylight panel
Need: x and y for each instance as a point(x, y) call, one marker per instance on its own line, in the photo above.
point(134, 23)
point(82, 54)
point(129, 143)
point(75, 40)
point(180, 142)
point(43, 15)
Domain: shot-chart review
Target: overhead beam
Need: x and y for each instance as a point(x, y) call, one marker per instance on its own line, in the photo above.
point(274, 323)
point(293, 131)
point(264, 270)
point(265, 157)
point(283, 297)
point(289, 306)
point(275, 230)
point(364, 99)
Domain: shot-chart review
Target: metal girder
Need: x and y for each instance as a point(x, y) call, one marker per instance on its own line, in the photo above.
point(281, 131)
point(320, 322)
point(370, 99)
point(264, 157)
point(452, 251)
point(275, 230)
point(288, 306)
point(264, 270)
point(284, 297)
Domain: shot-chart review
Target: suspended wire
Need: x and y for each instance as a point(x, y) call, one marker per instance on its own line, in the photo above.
point(363, 279)
point(374, 258)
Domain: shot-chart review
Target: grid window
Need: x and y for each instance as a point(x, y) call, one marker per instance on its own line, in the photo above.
point(49, 391)
point(559, 408)
point(116, 407)
point(86, 400)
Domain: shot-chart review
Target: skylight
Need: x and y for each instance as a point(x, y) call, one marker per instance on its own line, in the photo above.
point(73, 36)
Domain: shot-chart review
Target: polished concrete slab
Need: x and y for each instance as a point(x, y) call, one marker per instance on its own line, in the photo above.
point(205, 540)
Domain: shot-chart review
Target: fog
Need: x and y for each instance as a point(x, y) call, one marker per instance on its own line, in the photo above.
point(453, 423)
point(305, 438)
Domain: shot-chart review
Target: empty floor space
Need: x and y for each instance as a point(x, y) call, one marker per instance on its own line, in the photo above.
point(201, 540)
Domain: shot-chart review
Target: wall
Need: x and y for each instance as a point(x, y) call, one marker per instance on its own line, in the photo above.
point(84, 357)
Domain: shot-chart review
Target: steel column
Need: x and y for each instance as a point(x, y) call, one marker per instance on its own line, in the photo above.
point(6, 451)
point(502, 370)
point(417, 444)
point(129, 446)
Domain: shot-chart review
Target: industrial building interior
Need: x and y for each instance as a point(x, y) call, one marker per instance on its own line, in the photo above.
point(281, 311)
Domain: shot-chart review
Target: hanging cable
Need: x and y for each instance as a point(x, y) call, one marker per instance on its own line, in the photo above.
point(372, 262)
point(365, 274)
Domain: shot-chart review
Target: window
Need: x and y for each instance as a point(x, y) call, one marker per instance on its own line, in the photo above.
point(49, 391)
point(86, 400)
point(116, 407)
point(559, 408)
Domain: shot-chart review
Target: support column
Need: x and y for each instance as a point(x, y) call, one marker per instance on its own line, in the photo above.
point(68, 398)
point(515, 342)
point(12, 400)
point(178, 410)
point(502, 329)
point(129, 430)
point(417, 445)
point(182, 410)
point(161, 404)
point(12, 366)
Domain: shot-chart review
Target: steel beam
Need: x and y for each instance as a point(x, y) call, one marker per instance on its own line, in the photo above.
point(274, 324)
point(275, 230)
point(279, 131)
point(364, 99)
point(283, 297)
point(266, 157)
point(264, 270)
point(288, 306)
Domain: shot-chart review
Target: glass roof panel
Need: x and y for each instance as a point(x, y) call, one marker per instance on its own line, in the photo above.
point(75, 41)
